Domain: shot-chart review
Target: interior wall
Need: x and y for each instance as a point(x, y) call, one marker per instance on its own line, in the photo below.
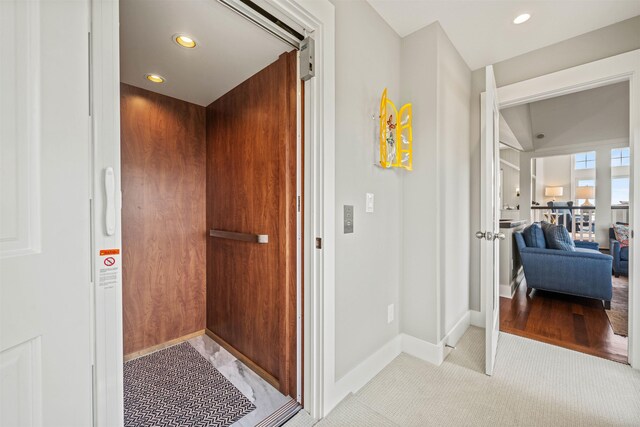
point(251, 188)
point(421, 248)
point(557, 173)
point(368, 272)
point(453, 113)
point(510, 182)
point(163, 217)
point(602, 43)
point(437, 192)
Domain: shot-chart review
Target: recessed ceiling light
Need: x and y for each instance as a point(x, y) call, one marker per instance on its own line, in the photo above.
point(155, 78)
point(521, 18)
point(184, 41)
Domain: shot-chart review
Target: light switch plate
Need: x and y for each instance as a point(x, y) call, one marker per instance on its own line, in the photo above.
point(390, 313)
point(348, 219)
point(370, 202)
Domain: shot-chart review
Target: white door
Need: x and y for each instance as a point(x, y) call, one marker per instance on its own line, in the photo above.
point(45, 169)
point(489, 218)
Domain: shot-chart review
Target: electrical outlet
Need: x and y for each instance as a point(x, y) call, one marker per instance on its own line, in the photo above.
point(390, 313)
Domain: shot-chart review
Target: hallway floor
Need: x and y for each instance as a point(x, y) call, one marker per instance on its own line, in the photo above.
point(571, 322)
point(534, 384)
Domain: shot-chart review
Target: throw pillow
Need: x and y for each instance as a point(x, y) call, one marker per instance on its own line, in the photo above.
point(558, 237)
point(534, 236)
point(622, 234)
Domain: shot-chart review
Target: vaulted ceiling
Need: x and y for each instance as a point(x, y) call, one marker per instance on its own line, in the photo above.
point(483, 30)
point(581, 118)
point(229, 48)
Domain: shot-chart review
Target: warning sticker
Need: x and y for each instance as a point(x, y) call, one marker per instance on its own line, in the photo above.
point(105, 252)
point(109, 271)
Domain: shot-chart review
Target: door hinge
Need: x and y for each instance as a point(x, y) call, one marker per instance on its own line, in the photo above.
point(298, 203)
point(318, 242)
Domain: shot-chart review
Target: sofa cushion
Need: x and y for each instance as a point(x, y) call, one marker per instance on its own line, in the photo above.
point(534, 236)
point(558, 237)
point(624, 253)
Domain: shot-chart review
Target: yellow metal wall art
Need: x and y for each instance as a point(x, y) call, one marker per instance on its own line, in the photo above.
point(396, 136)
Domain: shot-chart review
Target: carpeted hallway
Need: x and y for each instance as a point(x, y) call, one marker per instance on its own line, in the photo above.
point(535, 384)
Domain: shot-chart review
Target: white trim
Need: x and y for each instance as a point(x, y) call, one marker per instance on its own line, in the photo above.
point(477, 318)
point(458, 330)
point(579, 148)
point(623, 67)
point(366, 370)
point(511, 165)
point(424, 350)
point(318, 20)
point(435, 354)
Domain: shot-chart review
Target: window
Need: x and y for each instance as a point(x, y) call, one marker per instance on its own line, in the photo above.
point(585, 183)
point(619, 189)
point(620, 157)
point(585, 160)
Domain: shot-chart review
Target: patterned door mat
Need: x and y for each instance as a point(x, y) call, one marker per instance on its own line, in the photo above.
point(178, 387)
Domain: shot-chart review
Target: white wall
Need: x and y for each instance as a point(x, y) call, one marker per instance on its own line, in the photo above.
point(413, 251)
point(608, 41)
point(454, 91)
point(434, 291)
point(510, 180)
point(419, 311)
point(557, 173)
point(368, 272)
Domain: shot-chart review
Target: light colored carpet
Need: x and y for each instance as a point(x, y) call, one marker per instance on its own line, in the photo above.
point(302, 419)
point(618, 315)
point(535, 384)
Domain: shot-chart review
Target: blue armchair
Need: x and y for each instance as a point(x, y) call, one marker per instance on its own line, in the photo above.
point(620, 255)
point(585, 272)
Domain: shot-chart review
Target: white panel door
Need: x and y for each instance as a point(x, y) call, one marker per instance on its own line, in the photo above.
point(489, 218)
point(45, 265)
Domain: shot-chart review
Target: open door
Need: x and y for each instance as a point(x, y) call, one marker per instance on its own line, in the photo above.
point(45, 269)
point(489, 218)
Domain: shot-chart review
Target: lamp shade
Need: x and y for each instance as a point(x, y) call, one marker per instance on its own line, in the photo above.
point(586, 192)
point(553, 191)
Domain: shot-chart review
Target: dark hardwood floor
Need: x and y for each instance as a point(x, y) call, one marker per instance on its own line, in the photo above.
point(575, 323)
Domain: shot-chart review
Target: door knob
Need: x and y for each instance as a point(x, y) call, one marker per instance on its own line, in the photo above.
point(500, 236)
point(480, 234)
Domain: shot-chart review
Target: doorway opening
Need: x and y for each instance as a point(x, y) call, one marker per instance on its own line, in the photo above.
point(577, 150)
point(212, 205)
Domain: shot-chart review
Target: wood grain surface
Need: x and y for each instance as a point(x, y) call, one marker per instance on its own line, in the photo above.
point(576, 323)
point(251, 188)
point(163, 218)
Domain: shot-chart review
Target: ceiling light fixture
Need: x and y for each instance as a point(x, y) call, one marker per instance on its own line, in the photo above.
point(155, 78)
point(520, 19)
point(184, 41)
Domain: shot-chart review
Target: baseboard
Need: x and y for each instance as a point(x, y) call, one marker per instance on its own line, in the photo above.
point(356, 378)
point(164, 345)
point(436, 353)
point(477, 318)
point(458, 330)
point(424, 350)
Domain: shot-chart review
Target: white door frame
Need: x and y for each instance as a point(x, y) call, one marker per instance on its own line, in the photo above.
point(317, 17)
point(619, 68)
